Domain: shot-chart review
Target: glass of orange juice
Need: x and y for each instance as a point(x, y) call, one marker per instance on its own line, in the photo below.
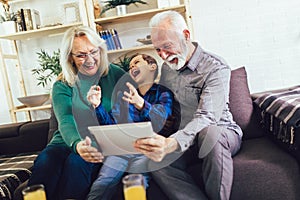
point(133, 186)
point(34, 192)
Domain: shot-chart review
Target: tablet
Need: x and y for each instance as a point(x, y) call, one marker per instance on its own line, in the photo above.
point(118, 139)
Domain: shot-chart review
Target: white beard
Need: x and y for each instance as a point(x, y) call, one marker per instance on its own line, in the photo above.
point(176, 66)
point(182, 58)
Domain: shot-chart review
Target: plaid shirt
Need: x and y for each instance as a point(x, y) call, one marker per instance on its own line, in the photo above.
point(157, 109)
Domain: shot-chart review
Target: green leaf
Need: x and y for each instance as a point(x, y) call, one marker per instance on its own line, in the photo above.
point(49, 67)
point(110, 4)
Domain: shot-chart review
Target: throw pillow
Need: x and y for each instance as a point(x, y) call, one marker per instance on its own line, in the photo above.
point(241, 105)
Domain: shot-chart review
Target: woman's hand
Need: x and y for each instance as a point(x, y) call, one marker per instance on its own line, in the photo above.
point(87, 152)
point(133, 97)
point(156, 148)
point(94, 95)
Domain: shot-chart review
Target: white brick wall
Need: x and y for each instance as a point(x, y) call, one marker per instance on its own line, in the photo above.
point(263, 35)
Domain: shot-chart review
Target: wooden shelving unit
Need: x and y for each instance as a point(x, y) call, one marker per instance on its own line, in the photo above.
point(49, 31)
point(87, 18)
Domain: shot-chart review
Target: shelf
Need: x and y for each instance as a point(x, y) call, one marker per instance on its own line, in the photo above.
point(26, 108)
point(150, 46)
point(47, 31)
point(16, 1)
point(138, 15)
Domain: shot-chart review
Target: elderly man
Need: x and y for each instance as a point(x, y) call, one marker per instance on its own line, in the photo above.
point(200, 81)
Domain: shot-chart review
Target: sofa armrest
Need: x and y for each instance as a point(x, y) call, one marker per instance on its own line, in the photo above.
point(24, 137)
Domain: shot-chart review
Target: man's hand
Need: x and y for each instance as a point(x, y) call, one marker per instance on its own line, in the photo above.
point(94, 95)
point(87, 152)
point(157, 147)
point(133, 97)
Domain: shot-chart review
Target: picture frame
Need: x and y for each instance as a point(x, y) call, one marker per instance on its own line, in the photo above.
point(71, 12)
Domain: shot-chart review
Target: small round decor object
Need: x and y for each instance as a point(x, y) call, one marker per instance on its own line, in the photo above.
point(34, 100)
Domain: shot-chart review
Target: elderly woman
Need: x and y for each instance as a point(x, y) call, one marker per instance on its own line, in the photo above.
point(70, 162)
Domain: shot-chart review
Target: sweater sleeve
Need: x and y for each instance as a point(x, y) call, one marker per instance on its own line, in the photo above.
point(62, 106)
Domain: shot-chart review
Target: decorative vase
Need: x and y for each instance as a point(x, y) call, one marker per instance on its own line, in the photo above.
point(121, 10)
point(9, 27)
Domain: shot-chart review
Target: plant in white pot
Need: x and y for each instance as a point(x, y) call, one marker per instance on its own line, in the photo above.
point(120, 5)
point(8, 19)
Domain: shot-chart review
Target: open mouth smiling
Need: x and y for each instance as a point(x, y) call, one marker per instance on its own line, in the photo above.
point(172, 59)
point(135, 72)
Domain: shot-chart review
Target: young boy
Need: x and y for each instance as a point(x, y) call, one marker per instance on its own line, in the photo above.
point(150, 102)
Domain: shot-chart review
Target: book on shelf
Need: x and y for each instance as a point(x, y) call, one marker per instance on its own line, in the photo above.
point(111, 38)
point(22, 20)
point(30, 19)
point(26, 16)
point(36, 19)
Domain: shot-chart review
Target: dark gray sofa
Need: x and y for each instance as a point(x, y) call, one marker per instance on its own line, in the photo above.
point(262, 170)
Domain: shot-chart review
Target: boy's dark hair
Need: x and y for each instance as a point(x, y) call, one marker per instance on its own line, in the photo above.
point(149, 59)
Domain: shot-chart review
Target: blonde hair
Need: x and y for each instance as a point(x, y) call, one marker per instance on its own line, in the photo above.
point(69, 72)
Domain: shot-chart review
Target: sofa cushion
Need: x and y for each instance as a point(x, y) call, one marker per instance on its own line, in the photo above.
point(264, 171)
point(10, 130)
point(239, 97)
point(241, 105)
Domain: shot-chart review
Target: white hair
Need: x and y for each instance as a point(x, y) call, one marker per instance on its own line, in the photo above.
point(174, 19)
point(69, 72)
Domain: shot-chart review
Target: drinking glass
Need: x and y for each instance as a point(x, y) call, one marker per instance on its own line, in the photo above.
point(133, 187)
point(34, 192)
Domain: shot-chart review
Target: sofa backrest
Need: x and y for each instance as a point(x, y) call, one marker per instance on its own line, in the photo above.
point(23, 137)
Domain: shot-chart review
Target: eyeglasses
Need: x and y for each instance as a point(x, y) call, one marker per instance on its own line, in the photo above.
point(93, 54)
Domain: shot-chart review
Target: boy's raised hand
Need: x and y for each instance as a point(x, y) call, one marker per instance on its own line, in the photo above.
point(94, 95)
point(133, 97)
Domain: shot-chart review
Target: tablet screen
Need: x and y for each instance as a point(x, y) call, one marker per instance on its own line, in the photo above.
point(118, 139)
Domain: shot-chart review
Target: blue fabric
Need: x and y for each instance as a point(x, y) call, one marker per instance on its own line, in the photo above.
point(157, 108)
point(111, 174)
point(56, 159)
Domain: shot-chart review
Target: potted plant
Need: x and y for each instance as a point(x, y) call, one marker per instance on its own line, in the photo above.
point(49, 67)
point(120, 5)
point(8, 20)
point(124, 62)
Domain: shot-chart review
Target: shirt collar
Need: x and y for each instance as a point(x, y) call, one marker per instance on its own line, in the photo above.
point(151, 89)
point(195, 58)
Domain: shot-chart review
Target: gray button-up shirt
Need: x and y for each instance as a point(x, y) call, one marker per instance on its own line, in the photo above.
point(202, 89)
